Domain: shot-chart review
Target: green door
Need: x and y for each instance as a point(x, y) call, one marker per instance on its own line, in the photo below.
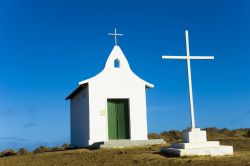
point(118, 119)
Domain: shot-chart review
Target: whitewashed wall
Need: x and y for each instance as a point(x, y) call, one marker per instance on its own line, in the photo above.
point(79, 118)
point(117, 83)
point(89, 116)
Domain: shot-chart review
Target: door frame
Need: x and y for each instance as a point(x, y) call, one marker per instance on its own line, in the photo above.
point(107, 126)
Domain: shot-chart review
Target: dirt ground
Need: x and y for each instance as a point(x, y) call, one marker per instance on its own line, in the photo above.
point(149, 155)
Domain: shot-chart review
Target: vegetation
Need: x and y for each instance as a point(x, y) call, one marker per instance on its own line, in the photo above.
point(60, 148)
point(169, 136)
point(23, 151)
point(248, 133)
point(8, 152)
point(212, 133)
point(40, 149)
point(147, 155)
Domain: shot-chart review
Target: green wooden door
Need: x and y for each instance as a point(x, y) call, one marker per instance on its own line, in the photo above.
point(118, 119)
point(112, 120)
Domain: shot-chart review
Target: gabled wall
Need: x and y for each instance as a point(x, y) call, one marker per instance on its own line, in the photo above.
point(117, 83)
point(79, 118)
point(89, 116)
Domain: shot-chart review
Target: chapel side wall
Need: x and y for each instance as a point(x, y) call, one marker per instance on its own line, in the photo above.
point(79, 118)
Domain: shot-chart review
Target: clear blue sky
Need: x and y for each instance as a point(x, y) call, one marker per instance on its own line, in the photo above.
point(47, 47)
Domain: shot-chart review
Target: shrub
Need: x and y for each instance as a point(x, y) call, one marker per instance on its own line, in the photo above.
point(238, 133)
point(41, 149)
point(60, 148)
point(66, 146)
point(212, 130)
point(175, 134)
point(23, 151)
point(225, 131)
point(248, 133)
point(154, 136)
point(57, 148)
point(172, 135)
point(166, 136)
point(8, 152)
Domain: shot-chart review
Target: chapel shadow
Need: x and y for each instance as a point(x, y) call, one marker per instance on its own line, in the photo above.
point(95, 146)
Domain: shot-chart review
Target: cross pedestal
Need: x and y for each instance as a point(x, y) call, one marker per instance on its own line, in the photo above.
point(194, 135)
point(195, 144)
point(195, 140)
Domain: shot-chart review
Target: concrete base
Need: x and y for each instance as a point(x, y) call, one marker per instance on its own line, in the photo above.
point(211, 151)
point(196, 144)
point(129, 143)
point(194, 135)
point(208, 144)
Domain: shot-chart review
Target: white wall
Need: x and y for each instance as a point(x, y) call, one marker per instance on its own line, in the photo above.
point(79, 118)
point(117, 83)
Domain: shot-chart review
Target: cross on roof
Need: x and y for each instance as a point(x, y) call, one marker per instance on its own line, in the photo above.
point(188, 57)
point(115, 36)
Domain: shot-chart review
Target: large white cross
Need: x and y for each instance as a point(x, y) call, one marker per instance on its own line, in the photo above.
point(115, 36)
point(188, 57)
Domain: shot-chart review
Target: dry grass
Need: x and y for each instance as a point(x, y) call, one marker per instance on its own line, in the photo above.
point(149, 155)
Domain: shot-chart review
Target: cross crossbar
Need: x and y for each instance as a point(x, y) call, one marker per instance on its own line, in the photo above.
point(115, 36)
point(190, 57)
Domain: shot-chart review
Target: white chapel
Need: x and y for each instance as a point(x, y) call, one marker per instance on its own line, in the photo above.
point(110, 105)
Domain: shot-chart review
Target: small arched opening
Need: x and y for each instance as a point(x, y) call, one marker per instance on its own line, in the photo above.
point(117, 63)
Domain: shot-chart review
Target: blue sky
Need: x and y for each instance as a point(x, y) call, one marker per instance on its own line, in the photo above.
point(47, 47)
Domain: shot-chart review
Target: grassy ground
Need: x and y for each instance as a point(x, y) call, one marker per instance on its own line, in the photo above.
point(149, 155)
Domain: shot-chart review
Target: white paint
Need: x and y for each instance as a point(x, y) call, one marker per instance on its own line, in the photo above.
point(194, 136)
point(196, 144)
point(207, 151)
point(207, 144)
point(190, 57)
point(79, 121)
point(115, 36)
point(195, 140)
point(190, 87)
point(117, 83)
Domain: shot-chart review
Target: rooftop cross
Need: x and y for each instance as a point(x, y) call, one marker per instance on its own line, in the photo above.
point(115, 35)
point(188, 57)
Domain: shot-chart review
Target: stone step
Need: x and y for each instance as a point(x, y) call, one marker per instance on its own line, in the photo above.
point(212, 151)
point(208, 144)
point(130, 143)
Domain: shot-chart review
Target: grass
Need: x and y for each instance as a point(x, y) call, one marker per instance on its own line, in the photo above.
point(147, 155)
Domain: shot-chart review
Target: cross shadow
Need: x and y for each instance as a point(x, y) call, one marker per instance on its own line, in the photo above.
point(165, 154)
